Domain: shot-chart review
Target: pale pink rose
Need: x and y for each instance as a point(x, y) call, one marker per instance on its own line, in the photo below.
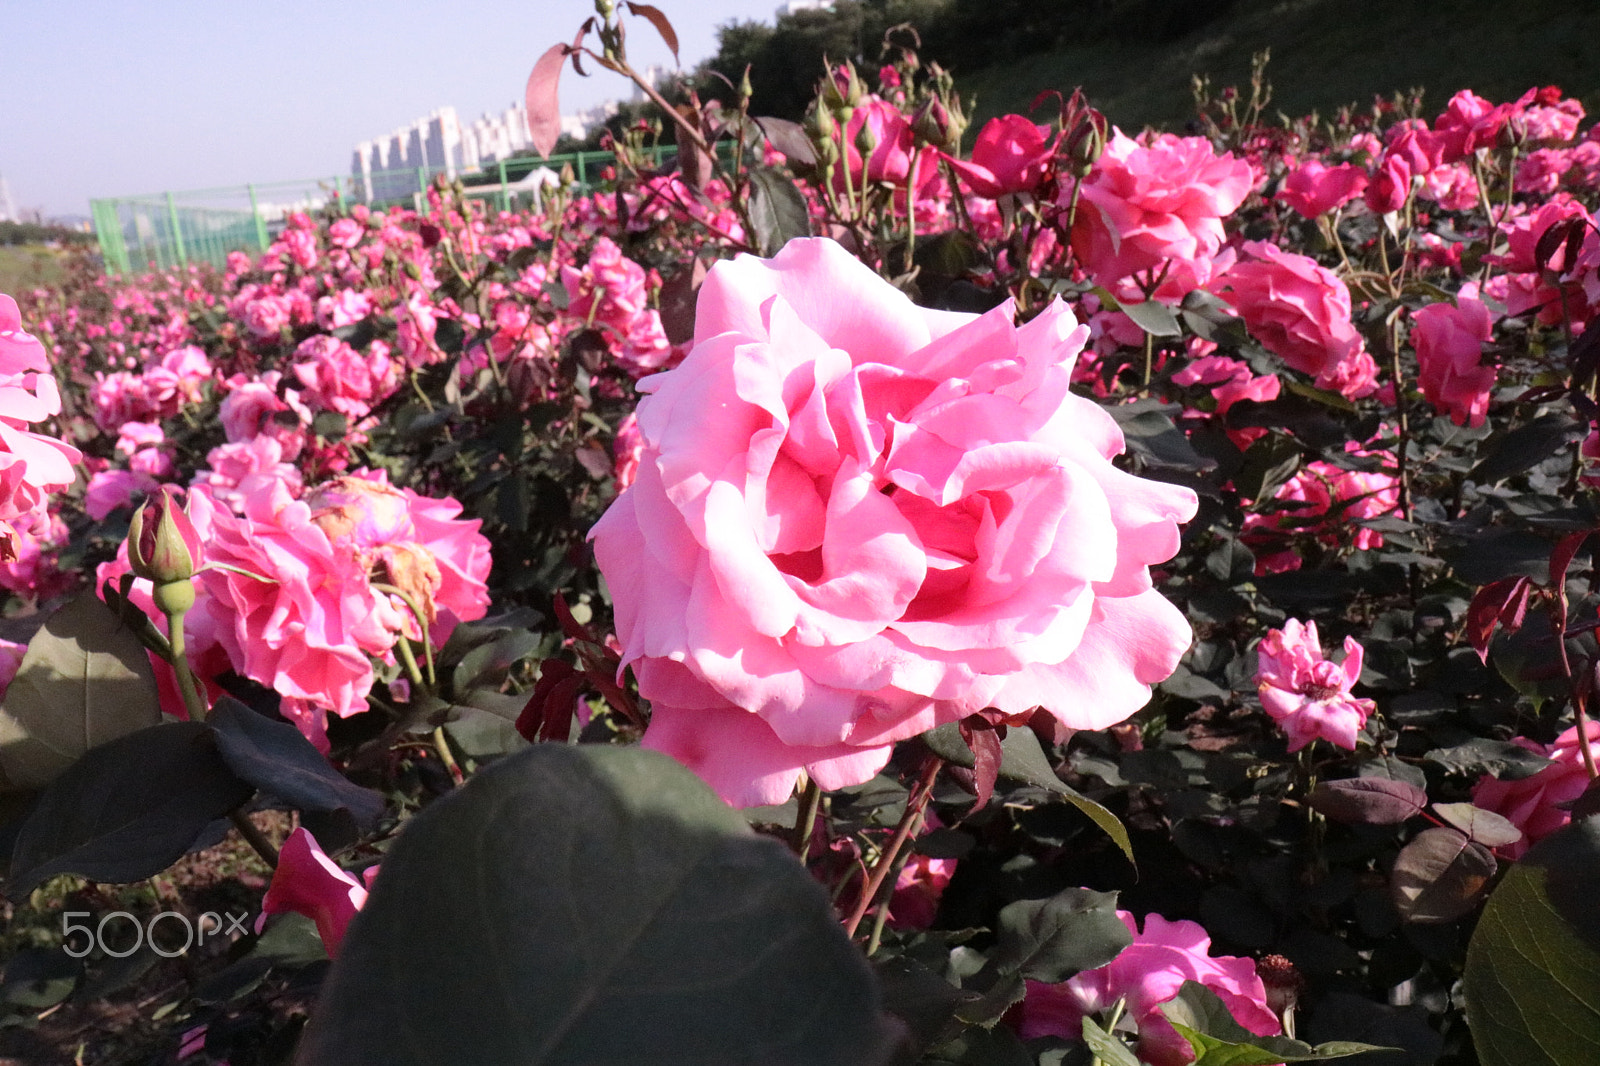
point(1145, 212)
point(307, 629)
point(1450, 185)
point(250, 406)
point(1539, 172)
point(417, 321)
point(132, 436)
point(1011, 155)
point(1449, 342)
point(177, 379)
point(111, 489)
point(301, 246)
point(414, 542)
point(235, 471)
point(1148, 973)
point(1541, 803)
point(626, 450)
point(610, 293)
point(345, 233)
point(1307, 695)
point(1550, 118)
point(307, 882)
point(336, 377)
point(856, 519)
point(266, 316)
point(343, 308)
point(32, 466)
point(1316, 188)
point(1299, 311)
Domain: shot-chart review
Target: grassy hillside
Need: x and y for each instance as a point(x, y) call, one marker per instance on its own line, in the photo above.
point(1324, 53)
point(25, 266)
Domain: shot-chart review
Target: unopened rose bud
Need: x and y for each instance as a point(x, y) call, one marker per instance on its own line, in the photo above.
point(162, 543)
point(745, 88)
point(939, 124)
point(1514, 134)
point(823, 131)
point(1085, 140)
point(842, 90)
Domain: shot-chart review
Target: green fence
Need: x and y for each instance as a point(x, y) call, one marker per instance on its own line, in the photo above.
point(173, 229)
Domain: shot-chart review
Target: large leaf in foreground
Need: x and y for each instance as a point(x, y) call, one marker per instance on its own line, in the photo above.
point(1533, 968)
point(128, 809)
point(84, 680)
point(593, 905)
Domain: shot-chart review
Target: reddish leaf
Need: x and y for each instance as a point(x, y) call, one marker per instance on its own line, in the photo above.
point(984, 740)
point(679, 293)
point(659, 21)
point(1483, 827)
point(1367, 800)
point(789, 138)
point(1504, 602)
point(548, 712)
point(1561, 558)
point(1440, 876)
point(544, 105)
point(569, 625)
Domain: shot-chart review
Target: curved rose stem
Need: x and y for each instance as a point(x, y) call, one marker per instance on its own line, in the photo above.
point(1117, 1010)
point(254, 837)
point(911, 209)
point(800, 836)
point(422, 627)
point(180, 665)
point(880, 917)
point(915, 803)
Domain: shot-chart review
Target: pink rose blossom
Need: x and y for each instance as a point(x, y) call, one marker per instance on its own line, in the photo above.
point(1540, 804)
point(306, 630)
point(1148, 973)
point(307, 882)
point(1149, 210)
point(611, 293)
point(1315, 188)
point(238, 470)
point(110, 489)
point(336, 377)
point(10, 660)
point(1307, 695)
point(31, 465)
point(1449, 342)
point(1011, 155)
point(345, 233)
point(1300, 311)
point(627, 449)
point(856, 519)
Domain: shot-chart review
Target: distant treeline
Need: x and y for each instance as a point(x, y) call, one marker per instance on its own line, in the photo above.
point(786, 60)
point(34, 233)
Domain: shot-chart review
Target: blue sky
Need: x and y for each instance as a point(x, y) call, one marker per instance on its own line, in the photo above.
point(103, 98)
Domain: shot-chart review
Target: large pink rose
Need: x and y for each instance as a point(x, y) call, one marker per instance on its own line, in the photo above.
point(31, 465)
point(1449, 342)
point(1542, 803)
point(856, 519)
point(1156, 211)
point(1316, 188)
point(1300, 311)
point(1012, 154)
point(1148, 973)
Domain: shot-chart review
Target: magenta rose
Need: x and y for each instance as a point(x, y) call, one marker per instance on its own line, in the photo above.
point(1307, 694)
point(1541, 803)
point(1449, 342)
point(1300, 311)
point(1315, 188)
point(1012, 154)
point(856, 519)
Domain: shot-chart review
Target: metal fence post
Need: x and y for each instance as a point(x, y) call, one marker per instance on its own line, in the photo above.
point(505, 194)
point(177, 233)
point(255, 213)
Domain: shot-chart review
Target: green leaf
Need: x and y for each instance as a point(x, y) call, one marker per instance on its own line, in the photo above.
point(1022, 759)
point(1106, 1047)
point(84, 680)
point(1053, 939)
point(1201, 1018)
point(1527, 446)
point(777, 210)
point(593, 905)
point(276, 758)
point(1154, 318)
point(1532, 977)
point(128, 809)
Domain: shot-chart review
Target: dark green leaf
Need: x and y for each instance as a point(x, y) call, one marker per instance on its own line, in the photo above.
point(1532, 976)
point(1154, 318)
point(1106, 1047)
point(777, 210)
point(1053, 939)
point(1022, 759)
point(1201, 1018)
point(1481, 755)
point(276, 758)
point(1529, 445)
point(128, 809)
point(614, 910)
point(84, 680)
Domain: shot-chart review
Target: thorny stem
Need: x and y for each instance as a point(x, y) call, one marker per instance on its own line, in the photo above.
point(915, 803)
point(422, 627)
point(1402, 417)
point(441, 744)
point(886, 893)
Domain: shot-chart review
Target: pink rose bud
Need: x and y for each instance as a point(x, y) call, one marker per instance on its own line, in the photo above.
point(162, 543)
point(1086, 139)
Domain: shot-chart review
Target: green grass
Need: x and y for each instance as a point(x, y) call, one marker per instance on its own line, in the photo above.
point(1325, 53)
point(27, 266)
